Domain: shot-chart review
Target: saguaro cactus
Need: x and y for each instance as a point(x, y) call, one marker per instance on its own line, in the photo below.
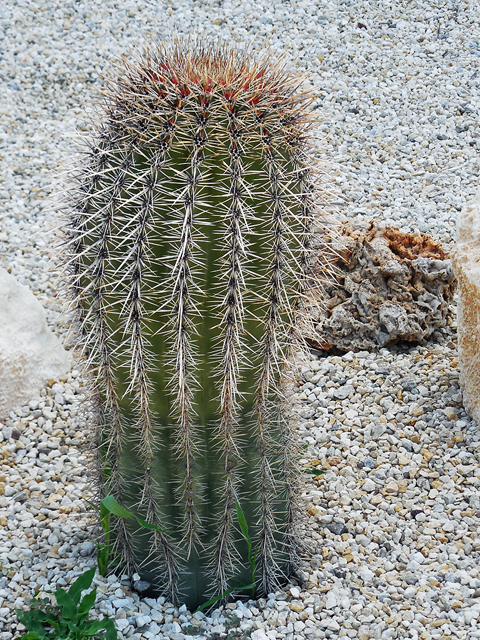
point(188, 233)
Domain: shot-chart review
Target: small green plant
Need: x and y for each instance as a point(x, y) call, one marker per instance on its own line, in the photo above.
point(68, 619)
point(251, 556)
point(242, 521)
point(233, 629)
point(105, 551)
point(109, 506)
point(314, 472)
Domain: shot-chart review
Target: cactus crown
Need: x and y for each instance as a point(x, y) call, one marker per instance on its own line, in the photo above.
point(188, 240)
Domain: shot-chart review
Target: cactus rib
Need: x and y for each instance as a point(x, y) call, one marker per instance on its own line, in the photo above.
point(182, 277)
point(232, 327)
point(98, 330)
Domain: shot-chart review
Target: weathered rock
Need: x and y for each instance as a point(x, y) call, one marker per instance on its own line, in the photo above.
point(466, 262)
point(391, 286)
point(30, 354)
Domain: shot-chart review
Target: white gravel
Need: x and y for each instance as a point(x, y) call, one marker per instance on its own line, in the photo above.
point(393, 524)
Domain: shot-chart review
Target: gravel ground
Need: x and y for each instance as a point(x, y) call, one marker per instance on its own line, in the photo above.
point(393, 523)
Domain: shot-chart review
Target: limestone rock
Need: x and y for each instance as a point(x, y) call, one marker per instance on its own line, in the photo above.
point(30, 354)
point(466, 263)
point(391, 286)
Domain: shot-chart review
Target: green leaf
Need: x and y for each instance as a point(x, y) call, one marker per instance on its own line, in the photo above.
point(37, 616)
point(113, 507)
point(31, 635)
point(221, 596)
point(111, 633)
point(31, 621)
point(105, 521)
point(92, 505)
point(66, 603)
point(208, 603)
point(92, 628)
point(103, 554)
point(63, 629)
point(81, 583)
point(243, 527)
point(103, 550)
point(87, 603)
point(252, 567)
point(314, 472)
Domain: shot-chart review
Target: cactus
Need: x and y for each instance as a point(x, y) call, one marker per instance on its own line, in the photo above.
point(189, 227)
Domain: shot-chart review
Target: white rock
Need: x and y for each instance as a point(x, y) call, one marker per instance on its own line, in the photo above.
point(417, 557)
point(120, 603)
point(154, 628)
point(363, 540)
point(157, 616)
point(470, 615)
point(333, 625)
point(466, 263)
point(87, 548)
point(331, 601)
point(366, 574)
point(344, 392)
point(122, 624)
point(30, 353)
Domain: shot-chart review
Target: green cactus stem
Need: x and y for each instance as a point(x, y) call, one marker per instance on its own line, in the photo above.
point(190, 220)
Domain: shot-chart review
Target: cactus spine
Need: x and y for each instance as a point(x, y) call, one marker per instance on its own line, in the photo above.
point(189, 227)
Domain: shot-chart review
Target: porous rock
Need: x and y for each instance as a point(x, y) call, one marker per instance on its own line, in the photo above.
point(30, 354)
point(390, 286)
point(466, 263)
